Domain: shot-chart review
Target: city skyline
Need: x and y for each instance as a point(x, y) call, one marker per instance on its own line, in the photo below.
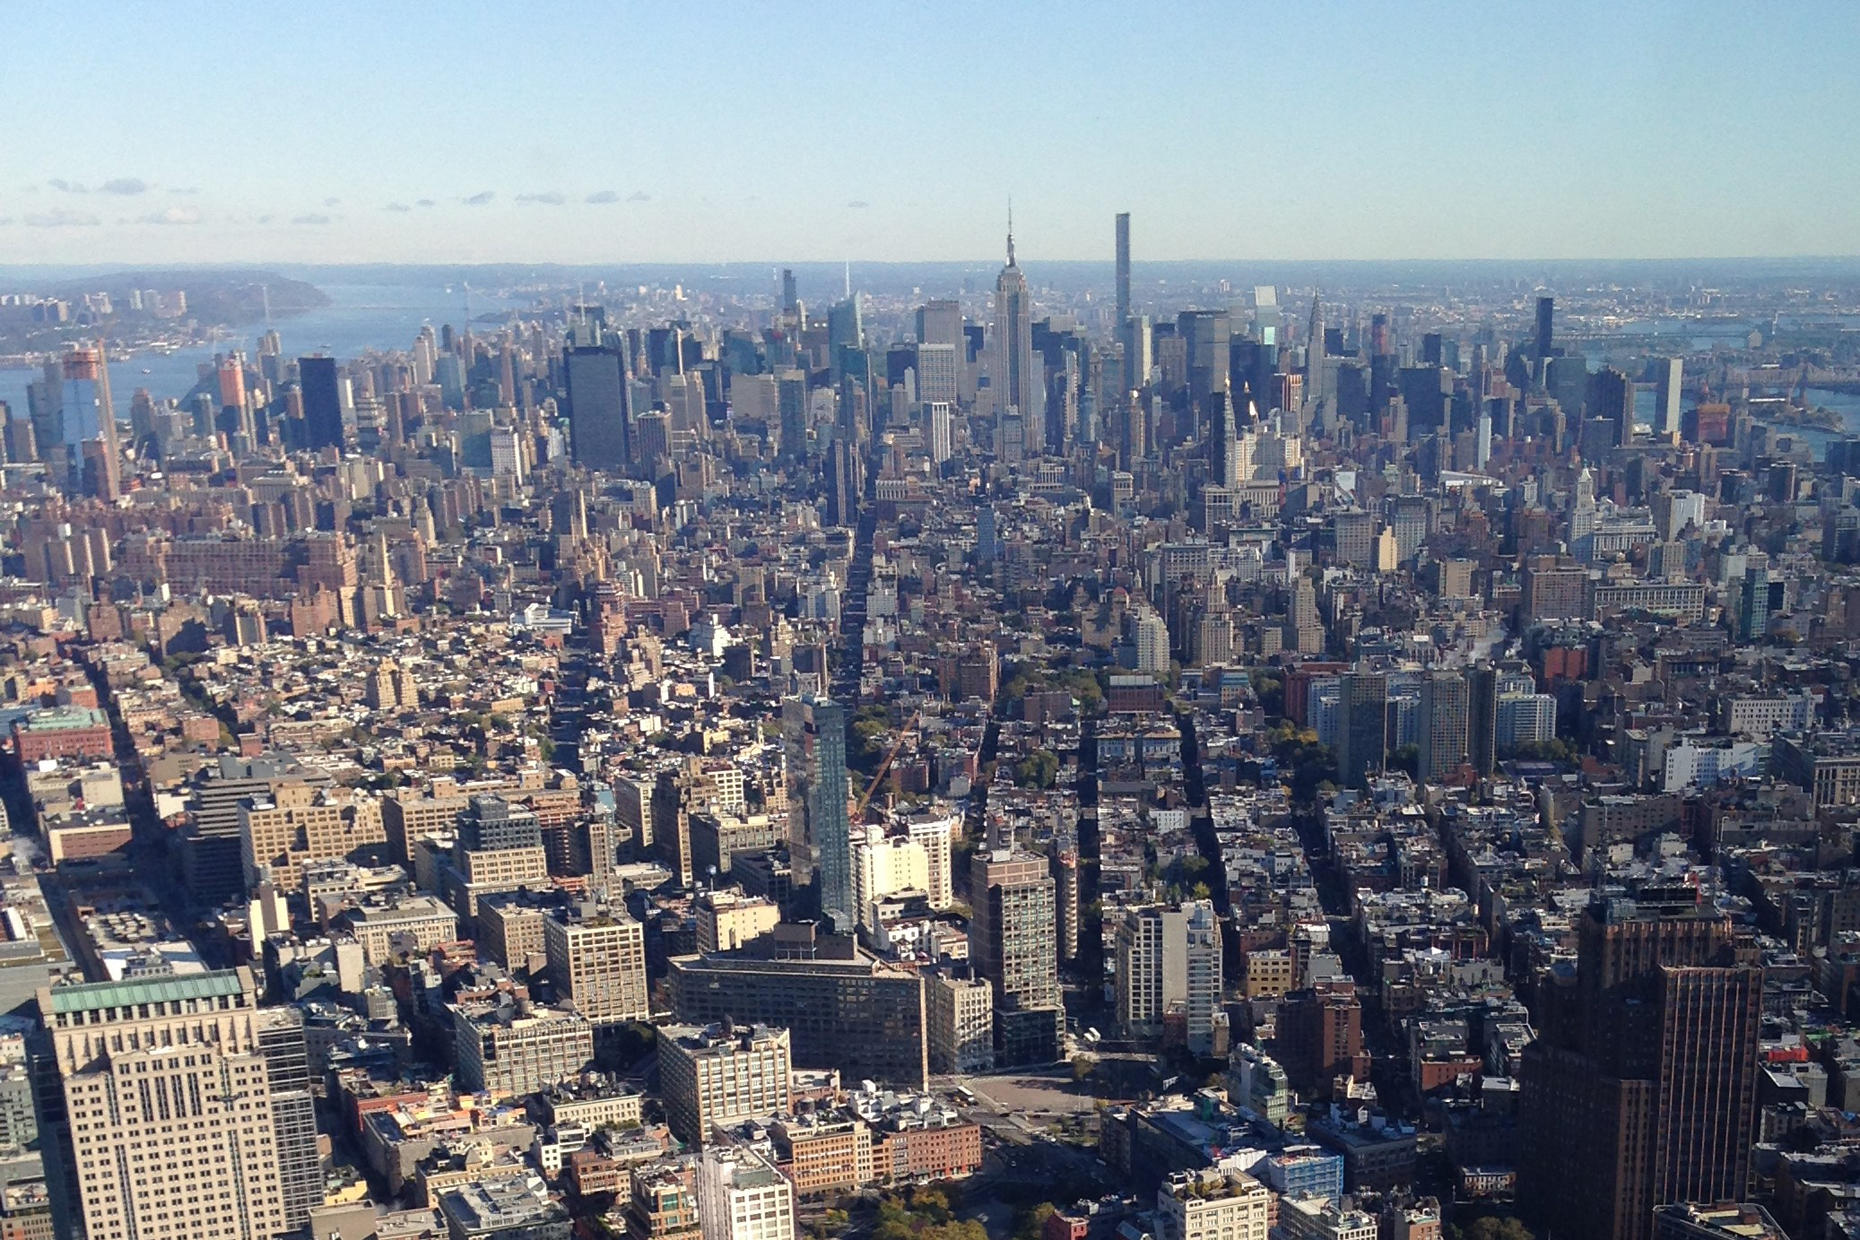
point(1357, 134)
point(715, 624)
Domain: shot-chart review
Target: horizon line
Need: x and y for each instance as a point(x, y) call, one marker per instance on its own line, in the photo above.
point(1108, 260)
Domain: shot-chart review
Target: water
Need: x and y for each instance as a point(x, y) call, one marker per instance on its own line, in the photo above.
point(360, 317)
point(1847, 404)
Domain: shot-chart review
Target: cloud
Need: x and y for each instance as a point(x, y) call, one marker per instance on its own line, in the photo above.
point(183, 189)
point(479, 199)
point(548, 198)
point(858, 204)
point(601, 197)
point(424, 202)
point(124, 185)
point(68, 187)
point(62, 217)
point(397, 206)
point(172, 215)
point(332, 202)
point(265, 219)
point(313, 220)
point(639, 195)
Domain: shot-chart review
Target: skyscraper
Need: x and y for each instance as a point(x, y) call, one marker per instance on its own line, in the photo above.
point(1669, 378)
point(1546, 319)
point(1362, 726)
point(820, 844)
point(1753, 605)
point(293, 1110)
point(1123, 272)
point(1482, 718)
point(839, 471)
point(157, 1094)
point(599, 429)
point(1611, 396)
point(1206, 333)
point(1012, 927)
point(845, 330)
point(791, 407)
point(938, 373)
point(937, 422)
point(89, 425)
point(1445, 719)
point(322, 402)
point(1641, 1087)
point(940, 322)
point(1017, 384)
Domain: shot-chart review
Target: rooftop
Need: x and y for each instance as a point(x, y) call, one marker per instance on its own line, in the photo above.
point(159, 988)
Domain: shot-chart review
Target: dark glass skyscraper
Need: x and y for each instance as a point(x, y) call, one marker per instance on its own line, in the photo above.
point(600, 432)
point(1362, 726)
point(1611, 396)
point(1206, 333)
point(1641, 1087)
point(1546, 319)
point(322, 402)
point(1482, 718)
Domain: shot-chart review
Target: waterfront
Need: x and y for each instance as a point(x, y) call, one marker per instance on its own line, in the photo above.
point(359, 317)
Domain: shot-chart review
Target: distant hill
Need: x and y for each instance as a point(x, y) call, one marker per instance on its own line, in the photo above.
point(231, 297)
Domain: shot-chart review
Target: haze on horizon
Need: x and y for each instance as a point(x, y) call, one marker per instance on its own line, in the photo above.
point(579, 134)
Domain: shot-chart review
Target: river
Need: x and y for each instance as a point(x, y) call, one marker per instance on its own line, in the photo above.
point(359, 317)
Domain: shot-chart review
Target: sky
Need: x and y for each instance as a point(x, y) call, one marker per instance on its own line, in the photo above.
point(685, 132)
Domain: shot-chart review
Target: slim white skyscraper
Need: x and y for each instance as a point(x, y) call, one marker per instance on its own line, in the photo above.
point(1669, 375)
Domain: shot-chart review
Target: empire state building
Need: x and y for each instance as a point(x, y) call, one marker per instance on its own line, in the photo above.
point(1016, 382)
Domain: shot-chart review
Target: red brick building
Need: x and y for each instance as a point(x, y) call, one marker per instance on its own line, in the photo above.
point(62, 732)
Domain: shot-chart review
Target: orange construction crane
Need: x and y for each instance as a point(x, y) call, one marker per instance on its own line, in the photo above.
point(878, 775)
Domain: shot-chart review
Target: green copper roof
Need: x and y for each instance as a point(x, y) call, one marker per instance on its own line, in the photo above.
point(155, 988)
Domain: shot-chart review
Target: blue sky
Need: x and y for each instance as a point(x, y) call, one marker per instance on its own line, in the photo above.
point(687, 132)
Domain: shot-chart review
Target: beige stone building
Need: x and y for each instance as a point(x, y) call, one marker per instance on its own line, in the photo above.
point(299, 823)
point(714, 1078)
point(169, 1125)
point(597, 957)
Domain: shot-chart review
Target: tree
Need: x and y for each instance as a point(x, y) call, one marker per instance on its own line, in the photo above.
point(1037, 770)
point(1029, 1225)
point(1491, 1227)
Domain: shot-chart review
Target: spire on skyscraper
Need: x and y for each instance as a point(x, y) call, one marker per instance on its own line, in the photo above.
point(1010, 232)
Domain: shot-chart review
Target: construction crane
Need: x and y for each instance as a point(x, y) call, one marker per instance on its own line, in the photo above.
point(878, 775)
